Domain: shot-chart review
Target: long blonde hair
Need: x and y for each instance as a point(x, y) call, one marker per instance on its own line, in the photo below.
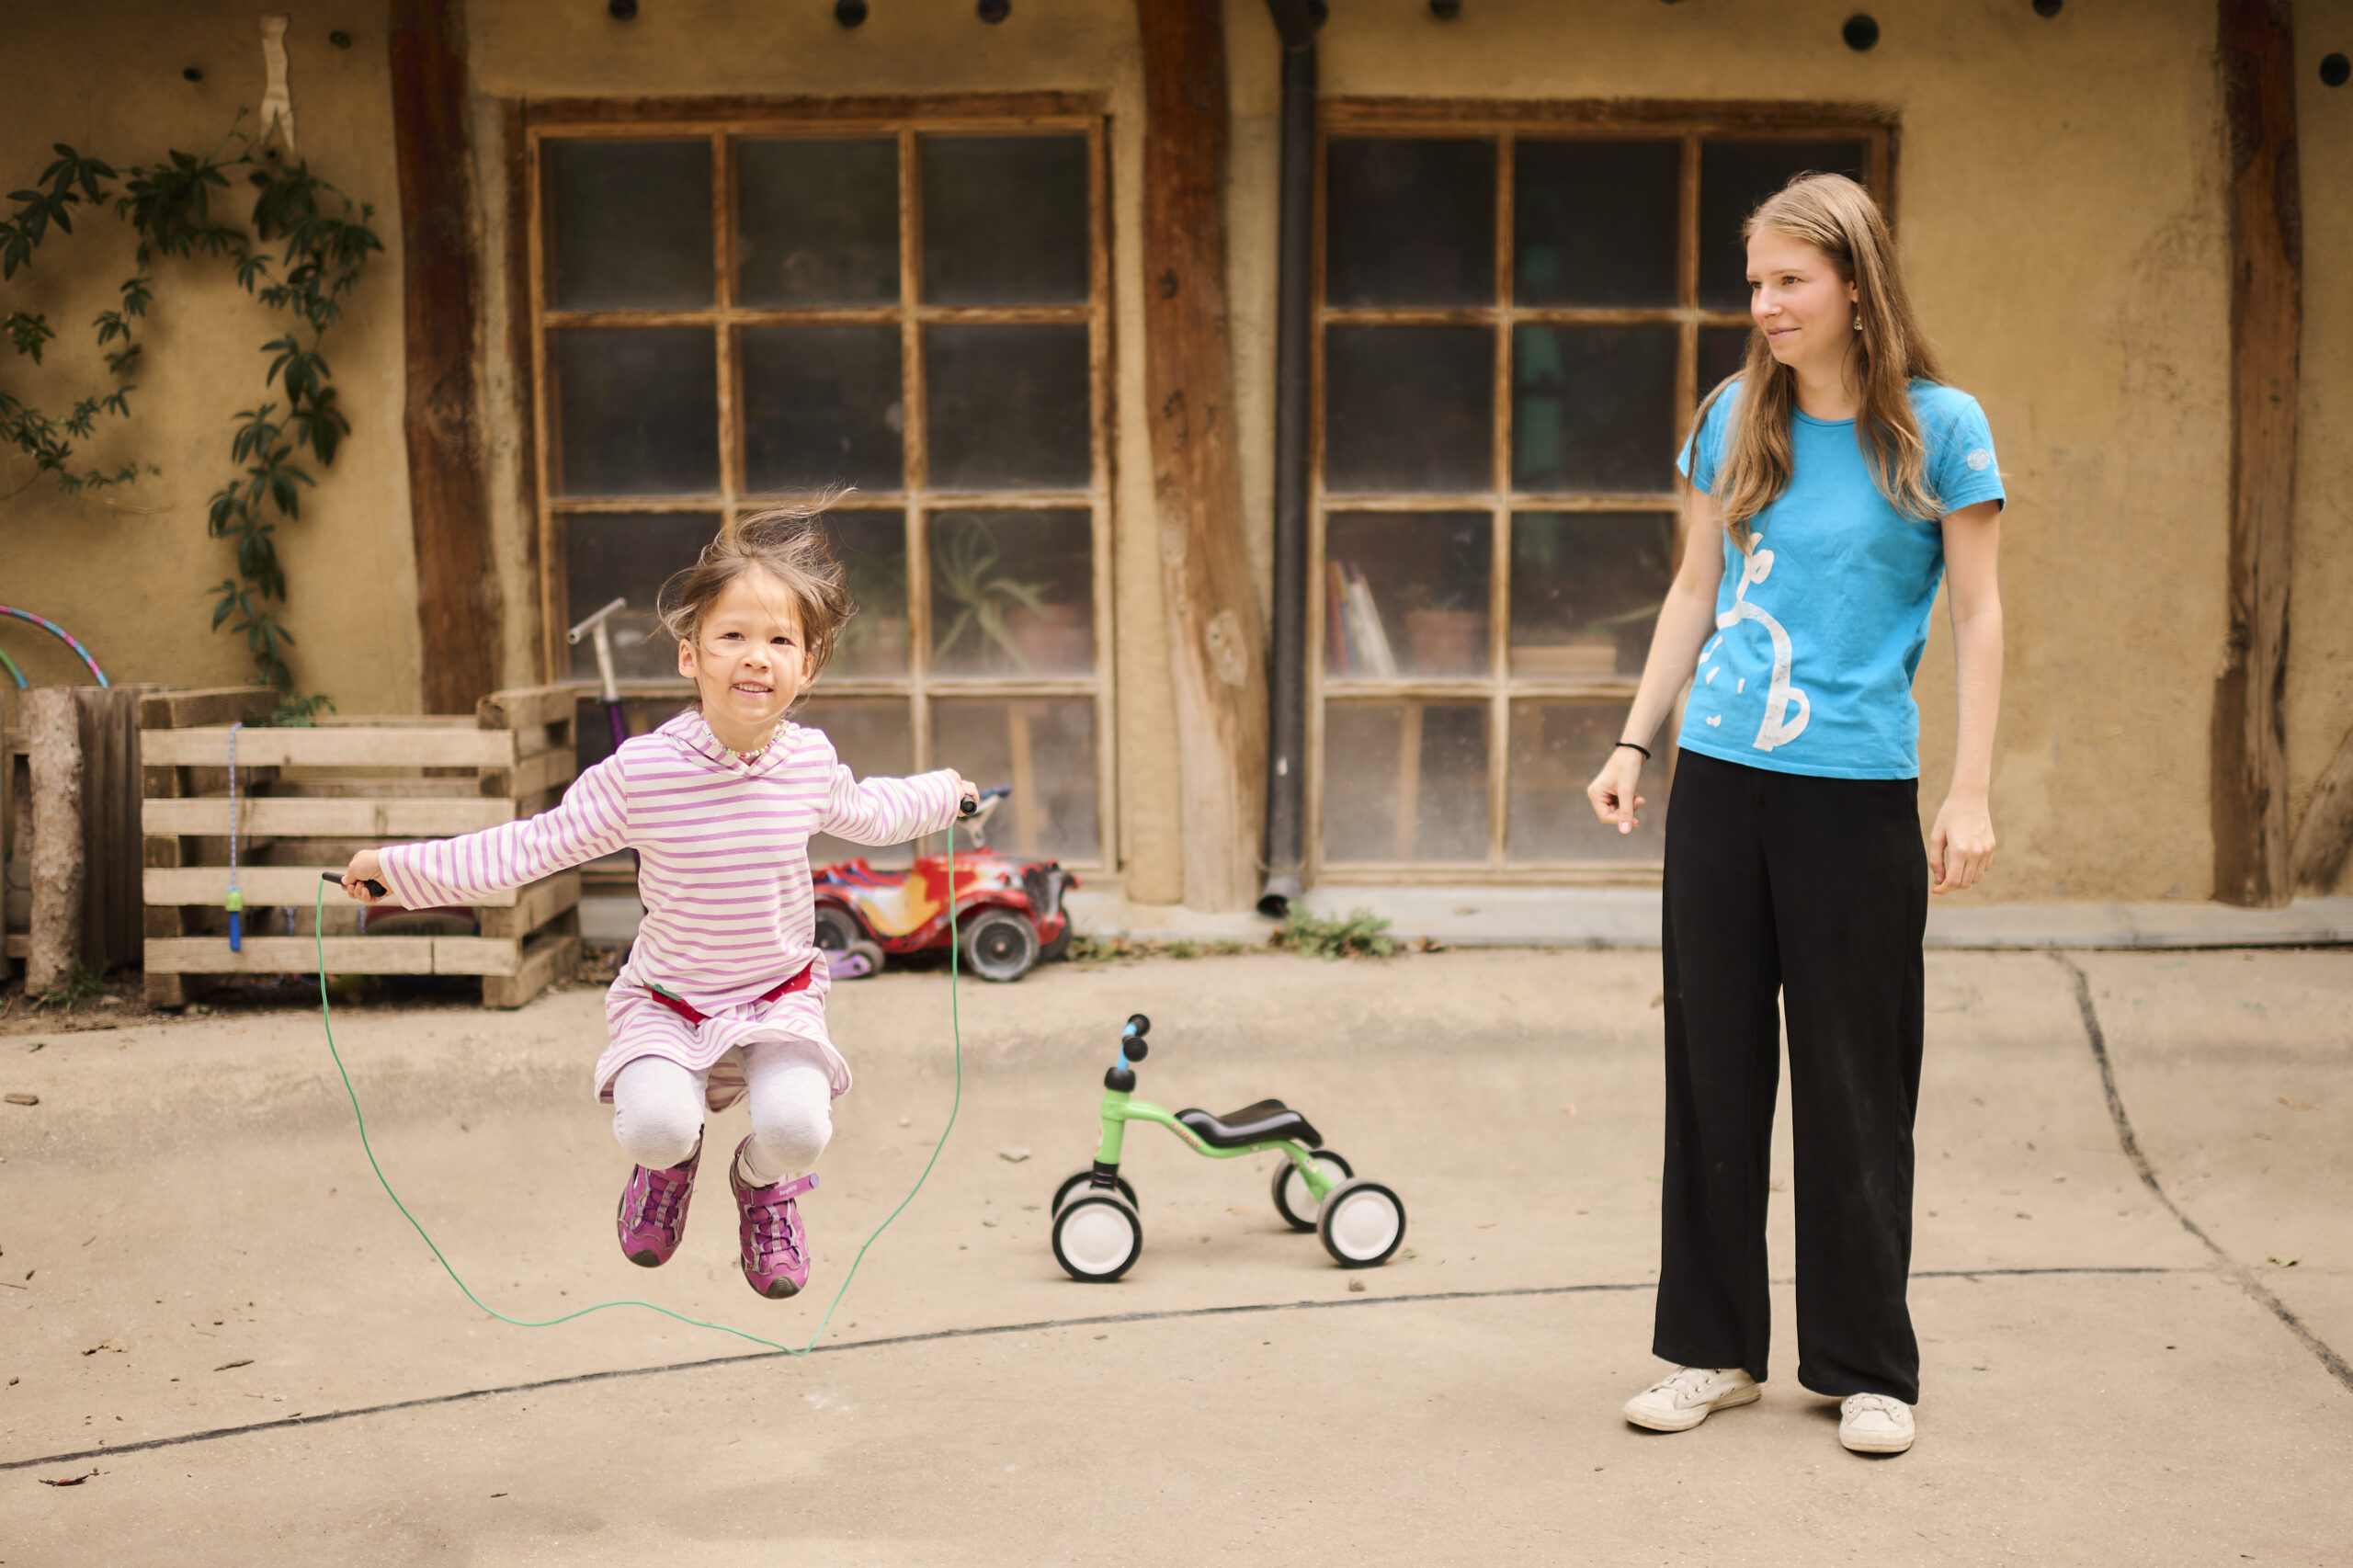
point(1839, 218)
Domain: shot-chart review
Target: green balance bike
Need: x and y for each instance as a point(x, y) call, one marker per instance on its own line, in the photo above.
point(1098, 1234)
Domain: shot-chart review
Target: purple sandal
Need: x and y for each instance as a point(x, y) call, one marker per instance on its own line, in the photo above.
point(776, 1247)
point(652, 1214)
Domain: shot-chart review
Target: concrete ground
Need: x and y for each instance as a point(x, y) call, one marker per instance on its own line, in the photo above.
point(197, 1259)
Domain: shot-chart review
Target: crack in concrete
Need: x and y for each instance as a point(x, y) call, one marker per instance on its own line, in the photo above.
point(979, 1332)
point(2237, 1271)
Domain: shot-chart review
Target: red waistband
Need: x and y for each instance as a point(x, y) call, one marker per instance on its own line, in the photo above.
point(686, 1011)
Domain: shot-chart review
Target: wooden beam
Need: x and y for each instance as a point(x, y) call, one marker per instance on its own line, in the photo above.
point(1215, 645)
point(457, 605)
point(2249, 795)
point(2326, 831)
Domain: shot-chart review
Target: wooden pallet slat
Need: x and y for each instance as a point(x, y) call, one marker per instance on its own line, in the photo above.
point(295, 817)
point(439, 747)
point(272, 885)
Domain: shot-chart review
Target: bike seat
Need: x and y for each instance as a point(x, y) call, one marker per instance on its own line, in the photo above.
point(1259, 1123)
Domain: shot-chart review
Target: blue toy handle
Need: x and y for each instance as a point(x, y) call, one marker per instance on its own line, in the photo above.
point(236, 932)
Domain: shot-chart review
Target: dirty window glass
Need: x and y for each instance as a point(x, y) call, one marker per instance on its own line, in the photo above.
point(1409, 408)
point(1720, 351)
point(1592, 408)
point(637, 410)
point(628, 555)
point(1556, 748)
point(1734, 177)
point(1043, 747)
point(1406, 595)
point(872, 549)
point(1003, 220)
point(1404, 782)
point(1597, 222)
point(1410, 221)
point(627, 224)
point(1586, 590)
point(1007, 405)
point(818, 220)
point(821, 406)
point(873, 738)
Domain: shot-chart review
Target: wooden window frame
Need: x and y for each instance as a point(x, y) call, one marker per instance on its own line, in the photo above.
point(1503, 124)
point(724, 121)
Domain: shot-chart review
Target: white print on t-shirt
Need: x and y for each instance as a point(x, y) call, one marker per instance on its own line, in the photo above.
point(1773, 732)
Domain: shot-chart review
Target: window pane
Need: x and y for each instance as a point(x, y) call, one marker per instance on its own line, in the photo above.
point(1003, 220)
point(1404, 782)
point(637, 411)
point(611, 555)
point(1410, 223)
point(1734, 177)
point(818, 222)
point(1556, 748)
point(1011, 592)
point(1597, 222)
point(1406, 593)
point(1722, 349)
point(1409, 408)
point(822, 406)
point(628, 225)
point(874, 737)
point(872, 549)
point(1008, 406)
point(1044, 748)
point(1592, 408)
point(1585, 587)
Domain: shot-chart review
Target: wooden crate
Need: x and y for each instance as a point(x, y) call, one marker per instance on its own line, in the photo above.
point(306, 800)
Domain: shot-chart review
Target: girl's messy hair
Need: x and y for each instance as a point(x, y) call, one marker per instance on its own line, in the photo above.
point(1839, 218)
point(790, 543)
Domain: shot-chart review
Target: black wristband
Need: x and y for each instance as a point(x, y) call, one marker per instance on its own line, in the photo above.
point(1631, 747)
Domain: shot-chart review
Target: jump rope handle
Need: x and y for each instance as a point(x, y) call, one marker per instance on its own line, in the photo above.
point(375, 889)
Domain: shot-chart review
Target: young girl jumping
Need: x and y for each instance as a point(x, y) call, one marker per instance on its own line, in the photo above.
point(724, 990)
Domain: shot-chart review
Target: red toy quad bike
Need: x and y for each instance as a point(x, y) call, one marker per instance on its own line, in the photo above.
point(1008, 907)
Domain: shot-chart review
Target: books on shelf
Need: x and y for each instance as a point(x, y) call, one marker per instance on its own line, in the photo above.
point(1356, 643)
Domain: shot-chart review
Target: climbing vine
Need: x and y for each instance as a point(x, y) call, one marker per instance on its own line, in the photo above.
point(322, 241)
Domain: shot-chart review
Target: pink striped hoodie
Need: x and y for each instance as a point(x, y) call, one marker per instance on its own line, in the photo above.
point(723, 869)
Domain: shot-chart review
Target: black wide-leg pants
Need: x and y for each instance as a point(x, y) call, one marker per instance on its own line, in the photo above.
point(1814, 891)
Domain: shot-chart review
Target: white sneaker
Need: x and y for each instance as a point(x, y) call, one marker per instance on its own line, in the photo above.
point(1682, 1401)
point(1875, 1424)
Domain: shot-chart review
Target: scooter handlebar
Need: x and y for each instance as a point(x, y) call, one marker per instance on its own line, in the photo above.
point(1131, 1041)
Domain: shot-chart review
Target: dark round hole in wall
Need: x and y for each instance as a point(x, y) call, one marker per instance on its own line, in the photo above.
point(1318, 13)
point(850, 12)
point(340, 39)
point(1861, 32)
point(622, 10)
point(1446, 10)
point(194, 74)
point(2048, 7)
point(995, 11)
point(2335, 69)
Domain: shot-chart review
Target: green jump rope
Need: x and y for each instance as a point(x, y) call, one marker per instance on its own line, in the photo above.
point(327, 1017)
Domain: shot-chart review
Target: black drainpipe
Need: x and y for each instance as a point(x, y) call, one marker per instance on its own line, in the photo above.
point(1287, 691)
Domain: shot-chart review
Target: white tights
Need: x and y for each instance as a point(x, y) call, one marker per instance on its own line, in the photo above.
point(658, 1109)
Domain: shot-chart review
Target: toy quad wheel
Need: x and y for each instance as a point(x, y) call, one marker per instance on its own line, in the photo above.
point(1292, 1201)
point(1077, 1180)
point(1097, 1237)
point(839, 932)
point(1361, 1223)
point(1000, 944)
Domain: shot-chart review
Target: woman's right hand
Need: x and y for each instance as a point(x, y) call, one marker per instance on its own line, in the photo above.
point(1612, 790)
point(366, 867)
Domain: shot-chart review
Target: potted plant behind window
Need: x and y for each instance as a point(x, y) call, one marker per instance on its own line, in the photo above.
point(980, 600)
point(1446, 633)
point(874, 642)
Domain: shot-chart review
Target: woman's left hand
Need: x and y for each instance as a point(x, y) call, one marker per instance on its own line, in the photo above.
point(1961, 844)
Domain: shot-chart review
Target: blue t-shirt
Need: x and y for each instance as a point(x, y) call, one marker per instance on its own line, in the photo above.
point(1819, 629)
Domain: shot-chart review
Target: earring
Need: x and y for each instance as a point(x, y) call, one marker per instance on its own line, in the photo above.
point(1858, 321)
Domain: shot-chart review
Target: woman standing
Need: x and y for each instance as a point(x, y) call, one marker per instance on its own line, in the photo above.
point(1844, 480)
